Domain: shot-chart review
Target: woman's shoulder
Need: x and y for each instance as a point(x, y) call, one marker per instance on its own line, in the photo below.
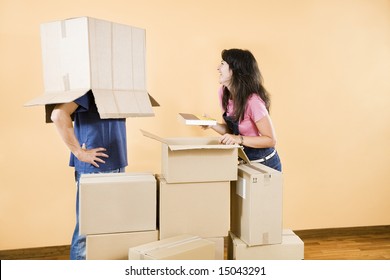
point(255, 98)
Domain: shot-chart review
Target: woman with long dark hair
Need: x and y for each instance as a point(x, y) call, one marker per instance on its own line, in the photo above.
point(245, 104)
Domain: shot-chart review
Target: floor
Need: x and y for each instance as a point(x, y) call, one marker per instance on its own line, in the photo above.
point(358, 243)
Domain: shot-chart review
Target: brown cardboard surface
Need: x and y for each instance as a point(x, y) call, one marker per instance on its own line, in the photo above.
point(82, 54)
point(117, 203)
point(181, 247)
point(198, 159)
point(201, 209)
point(256, 205)
point(291, 248)
point(219, 247)
point(115, 246)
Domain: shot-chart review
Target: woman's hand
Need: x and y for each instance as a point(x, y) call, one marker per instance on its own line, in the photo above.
point(230, 139)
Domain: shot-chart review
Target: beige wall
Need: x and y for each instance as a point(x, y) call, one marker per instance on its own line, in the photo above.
point(326, 64)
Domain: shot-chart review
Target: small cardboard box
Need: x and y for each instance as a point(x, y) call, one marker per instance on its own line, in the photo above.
point(181, 247)
point(291, 248)
point(82, 54)
point(113, 203)
point(256, 205)
point(201, 209)
point(198, 159)
point(115, 246)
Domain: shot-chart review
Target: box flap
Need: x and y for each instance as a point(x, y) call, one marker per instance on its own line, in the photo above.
point(122, 103)
point(110, 103)
point(181, 144)
point(242, 155)
point(153, 101)
point(56, 97)
point(153, 136)
point(199, 147)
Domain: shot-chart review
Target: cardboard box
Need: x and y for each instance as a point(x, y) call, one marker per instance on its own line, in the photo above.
point(201, 209)
point(82, 54)
point(200, 159)
point(182, 247)
point(291, 248)
point(256, 205)
point(113, 203)
point(219, 247)
point(115, 246)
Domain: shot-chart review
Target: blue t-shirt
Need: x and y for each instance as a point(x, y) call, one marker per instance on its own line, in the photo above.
point(95, 132)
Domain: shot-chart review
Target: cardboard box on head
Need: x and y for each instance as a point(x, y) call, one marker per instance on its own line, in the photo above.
point(86, 54)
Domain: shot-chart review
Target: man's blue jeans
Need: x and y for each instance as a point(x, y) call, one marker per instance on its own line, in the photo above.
point(77, 248)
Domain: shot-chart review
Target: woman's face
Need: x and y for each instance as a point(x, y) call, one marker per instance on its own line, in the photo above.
point(225, 73)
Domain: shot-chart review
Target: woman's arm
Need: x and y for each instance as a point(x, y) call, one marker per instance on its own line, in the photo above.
point(220, 128)
point(266, 140)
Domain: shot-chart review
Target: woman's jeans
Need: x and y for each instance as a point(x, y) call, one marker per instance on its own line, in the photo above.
point(273, 162)
point(77, 248)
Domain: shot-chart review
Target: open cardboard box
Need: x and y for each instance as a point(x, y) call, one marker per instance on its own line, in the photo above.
point(197, 159)
point(83, 54)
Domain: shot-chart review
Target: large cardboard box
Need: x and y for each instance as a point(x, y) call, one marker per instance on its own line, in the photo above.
point(113, 203)
point(202, 209)
point(198, 159)
point(82, 54)
point(115, 246)
point(291, 248)
point(181, 247)
point(256, 205)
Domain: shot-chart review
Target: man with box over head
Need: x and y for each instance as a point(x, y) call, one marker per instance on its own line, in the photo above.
point(94, 74)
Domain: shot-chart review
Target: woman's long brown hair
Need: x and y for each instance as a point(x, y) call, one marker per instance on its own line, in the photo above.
point(246, 80)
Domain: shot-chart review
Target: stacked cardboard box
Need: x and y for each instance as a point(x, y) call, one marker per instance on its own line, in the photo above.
point(180, 247)
point(256, 216)
point(291, 248)
point(117, 211)
point(114, 246)
point(194, 188)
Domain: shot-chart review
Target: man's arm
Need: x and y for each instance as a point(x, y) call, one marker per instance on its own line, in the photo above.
point(61, 117)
